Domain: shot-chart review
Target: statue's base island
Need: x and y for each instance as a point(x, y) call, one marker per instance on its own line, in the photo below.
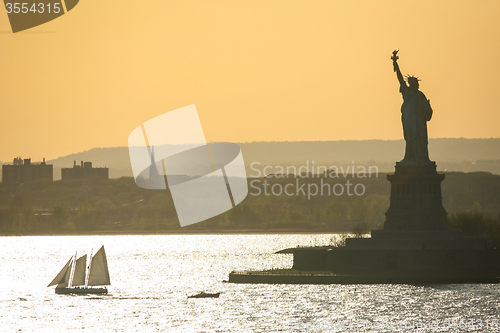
point(415, 246)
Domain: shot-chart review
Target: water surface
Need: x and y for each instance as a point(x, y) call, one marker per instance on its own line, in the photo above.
point(152, 276)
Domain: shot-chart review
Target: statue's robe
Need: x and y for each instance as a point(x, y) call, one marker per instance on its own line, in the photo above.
point(416, 111)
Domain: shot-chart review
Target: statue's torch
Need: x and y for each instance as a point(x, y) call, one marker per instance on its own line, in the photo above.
point(395, 58)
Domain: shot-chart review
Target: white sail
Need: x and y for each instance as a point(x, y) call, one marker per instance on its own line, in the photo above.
point(80, 270)
point(62, 279)
point(99, 274)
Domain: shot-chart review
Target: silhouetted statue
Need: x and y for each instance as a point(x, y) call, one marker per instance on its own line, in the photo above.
point(416, 112)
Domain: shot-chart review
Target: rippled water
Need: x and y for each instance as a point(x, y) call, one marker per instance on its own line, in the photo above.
point(152, 276)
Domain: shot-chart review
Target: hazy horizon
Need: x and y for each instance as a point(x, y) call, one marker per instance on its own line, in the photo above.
point(40, 157)
point(450, 154)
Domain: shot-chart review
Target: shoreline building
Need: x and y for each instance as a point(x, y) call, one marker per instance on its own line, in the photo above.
point(84, 171)
point(23, 170)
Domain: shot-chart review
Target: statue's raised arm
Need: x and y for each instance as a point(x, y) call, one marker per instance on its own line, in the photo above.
point(396, 67)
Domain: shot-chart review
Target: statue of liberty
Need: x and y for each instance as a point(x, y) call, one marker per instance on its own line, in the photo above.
point(416, 112)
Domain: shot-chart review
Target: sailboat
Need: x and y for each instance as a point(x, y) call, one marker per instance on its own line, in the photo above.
point(75, 278)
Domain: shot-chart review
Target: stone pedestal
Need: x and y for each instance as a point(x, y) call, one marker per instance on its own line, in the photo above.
point(416, 202)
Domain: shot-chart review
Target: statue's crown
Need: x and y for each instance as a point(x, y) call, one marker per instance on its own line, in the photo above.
point(411, 78)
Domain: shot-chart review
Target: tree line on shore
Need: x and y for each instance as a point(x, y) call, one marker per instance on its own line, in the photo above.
point(119, 205)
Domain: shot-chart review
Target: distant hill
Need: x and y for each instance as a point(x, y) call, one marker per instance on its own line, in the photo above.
point(115, 158)
point(457, 154)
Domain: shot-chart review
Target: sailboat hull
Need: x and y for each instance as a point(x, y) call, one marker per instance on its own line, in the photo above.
point(81, 291)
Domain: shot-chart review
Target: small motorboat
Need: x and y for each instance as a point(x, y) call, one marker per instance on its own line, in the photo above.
point(205, 295)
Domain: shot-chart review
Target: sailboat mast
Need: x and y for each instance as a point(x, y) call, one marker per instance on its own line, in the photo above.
point(88, 271)
point(72, 275)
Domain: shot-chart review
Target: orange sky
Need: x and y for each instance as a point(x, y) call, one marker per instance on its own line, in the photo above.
point(257, 70)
